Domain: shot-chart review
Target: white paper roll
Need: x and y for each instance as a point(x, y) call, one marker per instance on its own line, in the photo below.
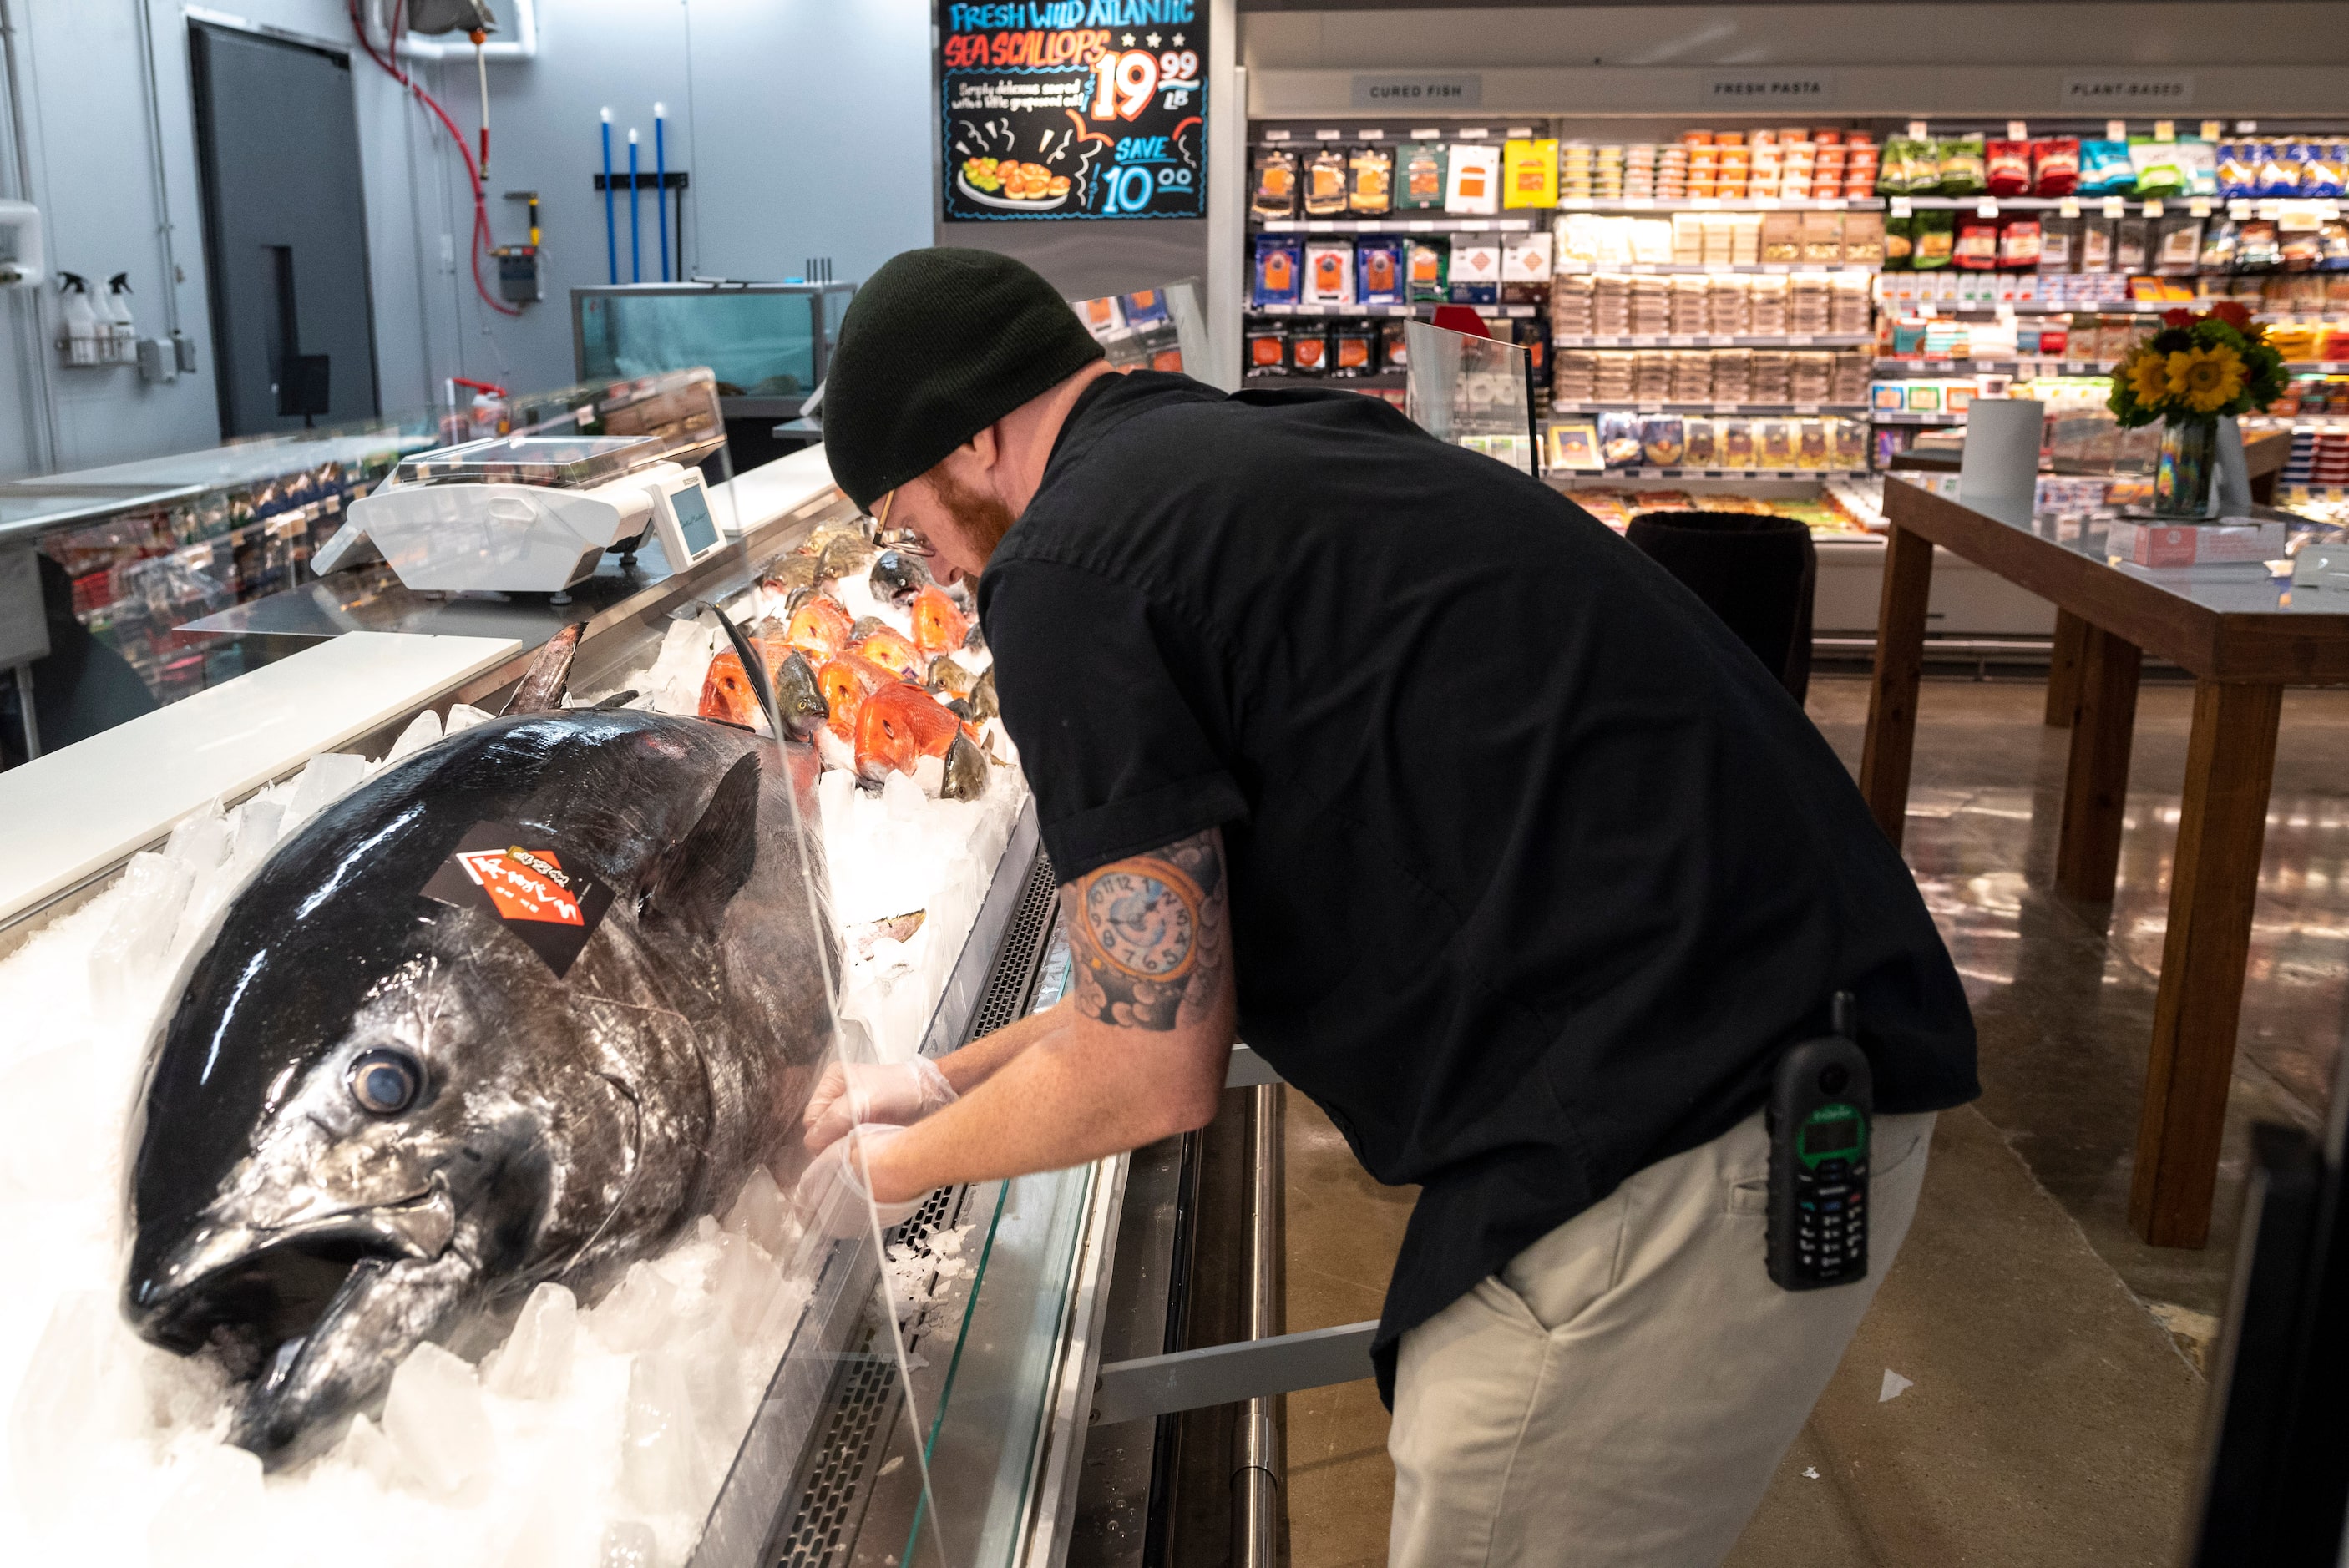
point(2000, 467)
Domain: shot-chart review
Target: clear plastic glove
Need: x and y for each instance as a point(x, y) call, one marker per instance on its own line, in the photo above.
point(831, 1195)
point(861, 1094)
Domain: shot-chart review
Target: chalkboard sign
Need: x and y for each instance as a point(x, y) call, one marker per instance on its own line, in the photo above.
point(1057, 109)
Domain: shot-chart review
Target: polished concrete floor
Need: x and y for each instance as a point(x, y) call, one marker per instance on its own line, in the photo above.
point(2053, 1360)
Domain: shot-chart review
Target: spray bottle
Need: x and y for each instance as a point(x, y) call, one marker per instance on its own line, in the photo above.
point(123, 346)
point(83, 332)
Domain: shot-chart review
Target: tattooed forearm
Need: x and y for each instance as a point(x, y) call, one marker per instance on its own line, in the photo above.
point(1149, 935)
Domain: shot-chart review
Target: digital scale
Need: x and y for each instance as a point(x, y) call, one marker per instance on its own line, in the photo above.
point(525, 513)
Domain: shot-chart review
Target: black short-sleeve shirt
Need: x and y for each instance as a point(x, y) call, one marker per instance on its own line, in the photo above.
point(1533, 869)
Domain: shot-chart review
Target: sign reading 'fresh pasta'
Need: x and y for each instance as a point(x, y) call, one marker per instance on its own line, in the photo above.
point(1074, 108)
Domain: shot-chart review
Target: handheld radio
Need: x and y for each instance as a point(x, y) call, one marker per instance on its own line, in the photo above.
point(1818, 1118)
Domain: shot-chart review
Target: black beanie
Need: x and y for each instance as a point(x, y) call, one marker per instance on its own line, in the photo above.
point(937, 345)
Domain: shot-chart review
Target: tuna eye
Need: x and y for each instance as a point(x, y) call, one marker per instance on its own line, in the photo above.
point(386, 1082)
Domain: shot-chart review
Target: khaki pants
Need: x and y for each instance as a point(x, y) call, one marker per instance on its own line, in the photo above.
point(1620, 1394)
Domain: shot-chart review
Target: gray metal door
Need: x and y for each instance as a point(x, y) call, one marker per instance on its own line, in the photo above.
point(278, 145)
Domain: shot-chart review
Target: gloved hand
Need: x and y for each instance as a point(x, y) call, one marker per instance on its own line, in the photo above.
point(855, 1094)
point(831, 1195)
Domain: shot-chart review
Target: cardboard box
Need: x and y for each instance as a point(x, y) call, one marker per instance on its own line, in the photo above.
point(2194, 543)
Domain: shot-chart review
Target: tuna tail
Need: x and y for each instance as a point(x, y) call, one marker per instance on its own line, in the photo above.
point(696, 877)
point(754, 665)
point(541, 687)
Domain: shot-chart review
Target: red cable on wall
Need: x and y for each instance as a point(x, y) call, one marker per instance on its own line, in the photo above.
point(472, 171)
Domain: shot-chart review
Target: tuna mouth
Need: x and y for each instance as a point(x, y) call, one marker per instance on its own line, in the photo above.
point(247, 1305)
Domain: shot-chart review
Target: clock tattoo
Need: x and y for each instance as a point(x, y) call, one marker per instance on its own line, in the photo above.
point(1146, 922)
point(1149, 934)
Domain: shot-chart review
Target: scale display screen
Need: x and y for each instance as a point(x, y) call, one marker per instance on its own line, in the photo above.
point(693, 519)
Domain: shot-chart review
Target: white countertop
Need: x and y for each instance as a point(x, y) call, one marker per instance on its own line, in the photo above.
point(773, 489)
point(77, 811)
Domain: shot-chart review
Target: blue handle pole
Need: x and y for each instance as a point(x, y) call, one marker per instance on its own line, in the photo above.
point(636, 241)
point(660, 185)
point(611, 230)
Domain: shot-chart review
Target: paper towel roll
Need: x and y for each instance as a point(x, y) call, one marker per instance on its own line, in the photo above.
point(2000, 468)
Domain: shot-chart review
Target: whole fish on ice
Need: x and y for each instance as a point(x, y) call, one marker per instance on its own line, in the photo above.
point(520, 1008)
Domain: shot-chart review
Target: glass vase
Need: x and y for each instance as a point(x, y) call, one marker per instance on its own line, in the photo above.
point(2190, 460)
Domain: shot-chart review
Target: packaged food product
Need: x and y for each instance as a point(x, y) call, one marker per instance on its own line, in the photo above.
point(1574, 446)
point(1353, 348)
point(1822, 236)
point(1279, 266)
point(2218, 237)
point(2238, 169)
point(1701, 444)
point(2278, 174)
point(1378, 271)
point(1961, 165)
point(1395, 345)
point(1735, 438)
point(1309, 349)
point(2055, 166)
point(2019, 242)
point(2176, 245)
point(1429, 261)
point(1526, 259)
point(2158, 169)
point(1276, 185)
point(2007, 168)
point(1898, 241)
point(2059, 242)
point(1421, 183)
point(1325, 184)
point(2198, 161)
point(1268, 348)
point(1329, 271)
point(1773, 444)
point(2131, 238)
point(2302, 247)
point(1662, 440)
point(1850, 444)
point(2097, 235)
point(1811, 444)
point(1370, 171)
point(1475, 274)
point(2257, 247)
point(2106, 168)
point(1473, 180)
point(2332, 241)
point(1621, 443)
point(1529, 172)
point(1864, 237)
point(2327, 173)
point(1782, 236)
point(1936, 232)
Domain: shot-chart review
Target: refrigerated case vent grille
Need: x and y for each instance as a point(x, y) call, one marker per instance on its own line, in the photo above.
point(825, 1525)
point(1023, 946)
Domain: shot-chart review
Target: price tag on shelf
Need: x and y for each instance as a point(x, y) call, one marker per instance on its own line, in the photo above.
point(2153, 208)
point(1521, 130)
point(1476, 225)
point(1327, 135)
point(1371, 133)
point(1422, 225)
point(1276, 136)
point(1986, 208)
point(1727, 408)
point(1575, 204)
point(1648, 408)
point(2115, 207)
point(1424, 133)
point(1899, 207)
point(2005, 310)
point(1680, 340)
point(2212, 129)
point(2198, 206)
point(1515, 225)
point(1279, 310)
point(1640, 203)
point(1769, 203)
point(1917, 131)
point(2246, 127)
point(2115, 130)
point(1800, 339)
point(1474, 133)
point(1321, 226)
point(2165, 131)
point(1831, 203)
point(1806, 408)
point(2016, 130)
point(2238, 208)
point(2069, 207)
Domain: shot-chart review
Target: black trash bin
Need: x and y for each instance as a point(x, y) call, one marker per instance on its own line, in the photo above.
point(1757, 574)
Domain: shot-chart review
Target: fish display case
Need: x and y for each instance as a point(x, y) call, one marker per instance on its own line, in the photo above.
point(750, 1387)
point(769, 344)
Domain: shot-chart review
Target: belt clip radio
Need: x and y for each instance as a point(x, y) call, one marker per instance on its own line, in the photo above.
point(1819, 1117)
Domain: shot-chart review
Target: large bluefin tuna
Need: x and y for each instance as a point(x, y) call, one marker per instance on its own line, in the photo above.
point(520, 1008)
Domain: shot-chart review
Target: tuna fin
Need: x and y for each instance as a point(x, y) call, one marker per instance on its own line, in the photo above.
point(754, 665)
point(541, 687)
point(696, 877)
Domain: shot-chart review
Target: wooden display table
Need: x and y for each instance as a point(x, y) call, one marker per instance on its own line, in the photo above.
point(2242, 636)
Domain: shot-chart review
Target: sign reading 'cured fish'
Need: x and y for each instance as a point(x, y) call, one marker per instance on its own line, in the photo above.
point(517, 876)
point(1074, 108)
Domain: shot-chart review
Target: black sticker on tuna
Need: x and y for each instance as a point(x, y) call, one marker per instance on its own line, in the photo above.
point(516, 875)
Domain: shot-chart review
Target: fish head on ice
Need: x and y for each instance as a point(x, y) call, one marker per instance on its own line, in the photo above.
point(375, 1108)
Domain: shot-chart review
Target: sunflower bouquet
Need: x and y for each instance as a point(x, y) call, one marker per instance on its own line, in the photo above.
point(2197, 367)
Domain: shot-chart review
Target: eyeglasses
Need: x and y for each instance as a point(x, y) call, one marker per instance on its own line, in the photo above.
point(905, 541)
